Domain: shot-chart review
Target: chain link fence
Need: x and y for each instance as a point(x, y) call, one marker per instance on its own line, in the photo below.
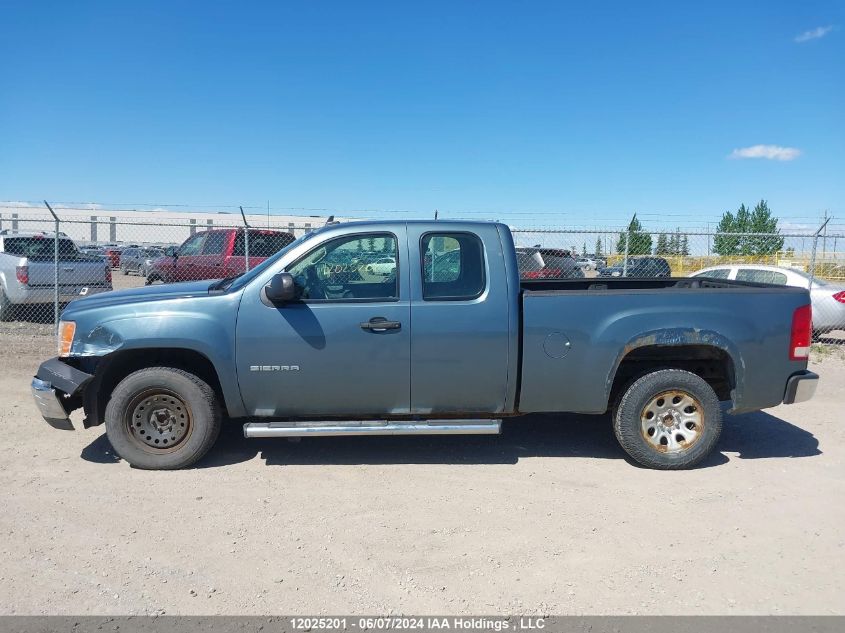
point(48, 260)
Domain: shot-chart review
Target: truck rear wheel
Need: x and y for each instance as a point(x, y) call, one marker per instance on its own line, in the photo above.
point(669, 419)
point(162, 418)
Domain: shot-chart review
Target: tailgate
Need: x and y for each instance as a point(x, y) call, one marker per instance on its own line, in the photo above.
point(72, 272)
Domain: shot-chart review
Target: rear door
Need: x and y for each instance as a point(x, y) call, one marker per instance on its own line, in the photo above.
point(460, 335)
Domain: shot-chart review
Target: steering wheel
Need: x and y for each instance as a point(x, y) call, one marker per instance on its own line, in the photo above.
point(313, 284)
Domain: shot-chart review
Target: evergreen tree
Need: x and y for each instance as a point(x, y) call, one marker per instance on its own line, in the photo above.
point(758, 221)
point(640, 240)
point(598, 247)
point(685, 245)
point(662, 247)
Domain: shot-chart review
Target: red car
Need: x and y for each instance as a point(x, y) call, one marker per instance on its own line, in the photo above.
point(216, 254)
point(112, 254)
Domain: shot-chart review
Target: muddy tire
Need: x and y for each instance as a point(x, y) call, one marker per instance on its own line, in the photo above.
point(669, 419)
point(162, 418)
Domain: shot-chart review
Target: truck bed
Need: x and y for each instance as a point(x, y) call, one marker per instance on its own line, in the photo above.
point(576, 332)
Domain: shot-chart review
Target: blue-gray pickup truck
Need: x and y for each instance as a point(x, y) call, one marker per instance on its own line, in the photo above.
point(422, 328)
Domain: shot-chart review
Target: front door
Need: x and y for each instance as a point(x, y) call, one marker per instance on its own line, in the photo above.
point(344, 348)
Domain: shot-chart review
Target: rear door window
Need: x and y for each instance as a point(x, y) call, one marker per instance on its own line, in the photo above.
point(453, 266)
point(761, 276)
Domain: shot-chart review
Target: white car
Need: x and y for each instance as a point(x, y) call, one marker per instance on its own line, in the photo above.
point(587, 263)
point(828, 299)
point(381, 266)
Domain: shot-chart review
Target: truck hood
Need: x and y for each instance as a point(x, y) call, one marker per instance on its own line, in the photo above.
point(184, 290)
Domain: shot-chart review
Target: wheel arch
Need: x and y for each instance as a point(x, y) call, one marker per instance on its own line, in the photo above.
point(706, 354)
point(116, 366)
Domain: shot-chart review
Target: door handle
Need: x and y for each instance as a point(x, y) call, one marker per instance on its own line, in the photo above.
point(380, 324)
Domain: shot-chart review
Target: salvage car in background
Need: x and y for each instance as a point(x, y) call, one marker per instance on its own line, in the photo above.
point(28, 271)
point(139, 260)
point(547, 263)
point(216, 254)
point(828, 298)
point(638, 267)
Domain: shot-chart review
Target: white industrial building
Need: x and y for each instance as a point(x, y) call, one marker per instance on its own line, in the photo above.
point(159, 226)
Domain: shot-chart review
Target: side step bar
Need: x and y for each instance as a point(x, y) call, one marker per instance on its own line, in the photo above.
point(331, 429)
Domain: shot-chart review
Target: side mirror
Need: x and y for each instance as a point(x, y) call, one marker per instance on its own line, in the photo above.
point(281, 289)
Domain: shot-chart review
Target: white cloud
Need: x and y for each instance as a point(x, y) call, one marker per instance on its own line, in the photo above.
point(813, 34)
point(769, 152)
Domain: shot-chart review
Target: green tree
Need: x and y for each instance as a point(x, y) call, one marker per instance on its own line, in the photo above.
point(598, 247)
point(760, 220)
point(662, 247)
point(685, 245)
point(584, 248)
point(640, 240)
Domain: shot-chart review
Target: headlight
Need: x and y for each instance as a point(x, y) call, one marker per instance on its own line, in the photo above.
point(66, 331)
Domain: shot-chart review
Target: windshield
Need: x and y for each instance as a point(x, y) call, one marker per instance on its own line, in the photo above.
point(241, 280)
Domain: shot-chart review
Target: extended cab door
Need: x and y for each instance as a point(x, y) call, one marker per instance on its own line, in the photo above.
point(460, 304)
point(343, 349)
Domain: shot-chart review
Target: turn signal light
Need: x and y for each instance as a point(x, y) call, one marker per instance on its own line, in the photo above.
point(22, 274)
point(802, 333)
point(840, 296)
point(66, 331)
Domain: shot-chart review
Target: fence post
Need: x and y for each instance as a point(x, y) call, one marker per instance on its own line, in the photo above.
point(627, 248)
point(55, 269)
point(246, 239)
point(812, 270)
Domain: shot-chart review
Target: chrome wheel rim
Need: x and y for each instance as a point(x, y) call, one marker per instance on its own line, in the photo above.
point(159, 420)
point(672, 421)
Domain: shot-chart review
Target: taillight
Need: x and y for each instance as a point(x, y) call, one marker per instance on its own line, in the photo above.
point(22, 273)
point(840, 296)
point(108, 273)
point(802, 333)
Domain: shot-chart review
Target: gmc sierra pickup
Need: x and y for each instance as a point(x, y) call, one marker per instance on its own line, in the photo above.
point(316, 341)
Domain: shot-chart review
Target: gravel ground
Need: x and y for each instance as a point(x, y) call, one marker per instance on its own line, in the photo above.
point(548, 518)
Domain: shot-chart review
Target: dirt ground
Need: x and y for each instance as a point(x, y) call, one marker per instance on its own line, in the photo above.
point(548, 518)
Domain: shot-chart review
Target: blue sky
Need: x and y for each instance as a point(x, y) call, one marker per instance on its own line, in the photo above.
point(541, 113)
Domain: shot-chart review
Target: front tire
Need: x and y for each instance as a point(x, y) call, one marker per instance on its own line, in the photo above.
point(162, 418)
point(669, 419)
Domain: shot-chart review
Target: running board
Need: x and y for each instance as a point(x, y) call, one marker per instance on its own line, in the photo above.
point(331, 429)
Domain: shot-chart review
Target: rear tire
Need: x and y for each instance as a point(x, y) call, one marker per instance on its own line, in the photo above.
point(669, 419)
point(162, 418)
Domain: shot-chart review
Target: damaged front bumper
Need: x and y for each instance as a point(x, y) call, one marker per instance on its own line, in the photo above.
point(57, 390)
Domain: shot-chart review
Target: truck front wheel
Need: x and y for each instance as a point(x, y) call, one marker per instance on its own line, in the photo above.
point(669, 419)
point(162, 418)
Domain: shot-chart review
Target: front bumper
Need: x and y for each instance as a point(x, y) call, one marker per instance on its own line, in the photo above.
point(800, 387)
point(55, 388)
